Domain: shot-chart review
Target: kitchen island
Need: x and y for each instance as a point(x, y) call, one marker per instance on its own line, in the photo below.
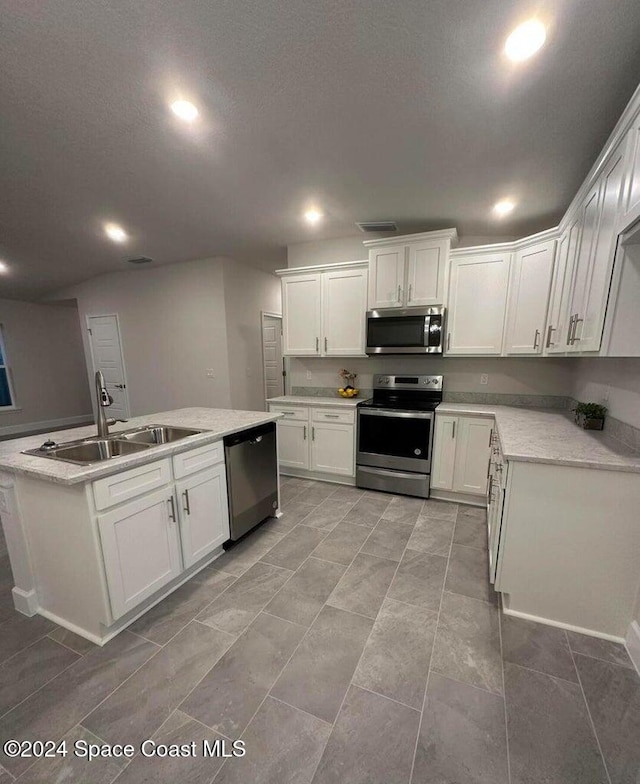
point(92, 547)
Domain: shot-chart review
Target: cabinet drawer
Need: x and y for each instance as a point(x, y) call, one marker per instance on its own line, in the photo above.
point(197, 459)
point(333, 415)
point(300, 413)
point(121, 487)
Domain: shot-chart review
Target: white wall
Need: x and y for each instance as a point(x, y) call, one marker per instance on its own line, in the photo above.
point(247, 292)
point(44, 349)
point(614, 382)
point(523, 376)
point(305, 254)
point(173, 328)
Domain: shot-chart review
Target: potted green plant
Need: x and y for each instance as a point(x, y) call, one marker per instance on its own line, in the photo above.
point(590, 416)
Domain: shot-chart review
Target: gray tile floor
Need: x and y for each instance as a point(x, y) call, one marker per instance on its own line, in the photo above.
point(356, 639)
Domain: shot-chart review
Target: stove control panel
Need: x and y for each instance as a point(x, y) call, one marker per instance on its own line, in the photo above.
point(407, 382)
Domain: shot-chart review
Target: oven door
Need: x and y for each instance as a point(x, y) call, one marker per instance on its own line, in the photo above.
point(395, 439)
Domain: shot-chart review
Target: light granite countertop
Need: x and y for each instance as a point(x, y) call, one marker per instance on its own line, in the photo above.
point(311, 400)
point(217, 422)
point(550, 436)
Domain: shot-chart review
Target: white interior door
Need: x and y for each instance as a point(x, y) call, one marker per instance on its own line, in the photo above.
point(106, 354)
point(273, 368)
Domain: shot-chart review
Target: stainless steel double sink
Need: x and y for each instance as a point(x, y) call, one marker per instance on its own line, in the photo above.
point(128, 442)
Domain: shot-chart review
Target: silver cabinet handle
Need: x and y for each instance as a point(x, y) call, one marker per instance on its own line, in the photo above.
point(325, 345)
point(535, 339)
point(187, 507)
point(317, 345)
point(288, 413)
point(453, 429)
point(489, 489)
point(120, 386)
point(332, 416)
point(304, 433)
point(399, 294)
point(172, 512)
point(550, 330)
point(448, 341)
point(576, 321)
point(491, 437)
point(410, 289)
point(570, 330)
point(313, 434)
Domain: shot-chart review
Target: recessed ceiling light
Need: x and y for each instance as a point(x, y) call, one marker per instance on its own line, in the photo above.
point(525, 40)
point(115, 232)
point(185, 110)
point(503, 207)
point(4, 268)
point(313, 216)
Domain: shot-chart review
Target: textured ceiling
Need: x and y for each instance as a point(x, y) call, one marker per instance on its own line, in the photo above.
point(370, 108)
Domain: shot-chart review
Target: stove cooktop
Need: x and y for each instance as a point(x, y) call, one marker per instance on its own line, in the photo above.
point(403, 405)
point(407, 393)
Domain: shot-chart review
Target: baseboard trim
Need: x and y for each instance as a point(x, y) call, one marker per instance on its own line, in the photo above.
point(561, 625)
point(71, 627)
point(458, 498)
point(25, 602)
point(633, 644)
point(302, 473)
point(44, 425)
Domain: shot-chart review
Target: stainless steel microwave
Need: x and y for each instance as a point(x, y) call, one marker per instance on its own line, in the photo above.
point(405, 331)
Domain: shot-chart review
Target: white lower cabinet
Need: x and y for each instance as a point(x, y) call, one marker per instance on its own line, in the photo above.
point(461, 454)
point(204, 513)
point(332, 448)
point(151, 539)
point(316, 440)
point(141, 549)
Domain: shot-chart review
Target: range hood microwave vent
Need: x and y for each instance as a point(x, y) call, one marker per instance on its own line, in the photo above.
point(140, 260)
point(367, 226)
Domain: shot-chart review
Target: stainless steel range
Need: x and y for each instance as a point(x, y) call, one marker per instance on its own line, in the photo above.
point(395, 434)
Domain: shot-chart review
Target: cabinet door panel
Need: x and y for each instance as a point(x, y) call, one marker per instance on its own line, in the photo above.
point(603, 253)
point(293, 446)
point(473, 452)
point(333, 448)
point(386, 277)
point(631, 205)
point(301, 314)
point(204, 513)
point(426, 268)
point(531, 274)
point(579, 286)
point(141, 549)
point(477, 304)
point(557, 334)
point(444, 452)
point(344, 304)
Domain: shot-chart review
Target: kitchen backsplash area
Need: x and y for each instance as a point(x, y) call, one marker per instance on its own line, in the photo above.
point(514, 382)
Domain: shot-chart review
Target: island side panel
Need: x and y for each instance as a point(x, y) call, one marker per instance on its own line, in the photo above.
point(65, 552)
point(570, 546)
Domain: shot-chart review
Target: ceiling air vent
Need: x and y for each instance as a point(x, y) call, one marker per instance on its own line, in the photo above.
point(140, 260)
point(367, 226)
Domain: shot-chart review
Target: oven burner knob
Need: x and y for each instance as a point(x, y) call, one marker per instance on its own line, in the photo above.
point(417, 451)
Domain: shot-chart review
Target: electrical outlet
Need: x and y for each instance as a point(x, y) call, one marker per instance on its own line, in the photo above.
point(309, 375)
point(484, 379)
point(210, 373)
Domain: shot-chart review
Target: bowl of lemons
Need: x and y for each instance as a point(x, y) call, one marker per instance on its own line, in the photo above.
point(348, 392)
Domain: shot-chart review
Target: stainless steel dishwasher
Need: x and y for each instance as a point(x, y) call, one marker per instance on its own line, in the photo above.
point(252, 477)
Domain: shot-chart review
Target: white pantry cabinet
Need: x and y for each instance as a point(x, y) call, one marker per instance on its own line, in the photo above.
point(531, 274)
point(631, 199)
point(409, 271)
point(315, 440)
point(461, 453)
point(324, 310)
point(478, 302)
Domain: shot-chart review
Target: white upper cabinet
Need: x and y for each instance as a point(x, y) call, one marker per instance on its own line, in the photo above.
point(386, 277)
point(426, 271)
point(631, 200)
point(557, 332)
point(344, 305)
point(301, 310)
point(324, 311)
point(477, 303)
point(603, 250)
point(531, 273)
point(409, 271)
